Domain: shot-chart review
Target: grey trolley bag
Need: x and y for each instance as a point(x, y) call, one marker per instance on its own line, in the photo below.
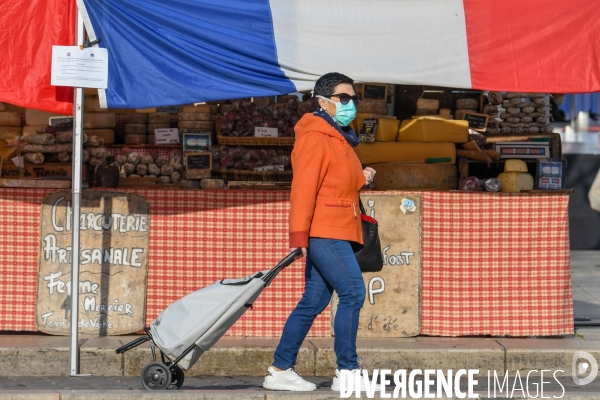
point(191, 325)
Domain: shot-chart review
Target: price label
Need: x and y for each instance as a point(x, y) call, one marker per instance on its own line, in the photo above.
point(166, 136)
point(265, 132)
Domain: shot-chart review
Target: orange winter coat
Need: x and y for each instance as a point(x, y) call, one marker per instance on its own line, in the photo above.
point(327, 178)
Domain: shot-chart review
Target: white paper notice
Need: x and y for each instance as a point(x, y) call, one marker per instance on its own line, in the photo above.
point(87, 68)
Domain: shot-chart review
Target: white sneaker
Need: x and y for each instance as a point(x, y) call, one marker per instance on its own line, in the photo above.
point(335, 385)
point(287, 380)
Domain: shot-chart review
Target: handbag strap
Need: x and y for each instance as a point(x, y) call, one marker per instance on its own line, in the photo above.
point(362, 208)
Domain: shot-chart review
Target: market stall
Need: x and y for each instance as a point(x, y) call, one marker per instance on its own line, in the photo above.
point(483, 170)
point(492, 264)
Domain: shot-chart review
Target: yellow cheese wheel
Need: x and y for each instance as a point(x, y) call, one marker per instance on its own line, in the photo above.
point(514, 182)
point(37, 117)
point(515, 166)
point(426, 129)
point(99, 120)
point(414, 176)
point(387, 130)
point(380, 152)
point(428, 104)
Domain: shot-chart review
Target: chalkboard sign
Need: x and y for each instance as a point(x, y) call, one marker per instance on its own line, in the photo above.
point(477, 122)
point(199, 165)
point(374, 92)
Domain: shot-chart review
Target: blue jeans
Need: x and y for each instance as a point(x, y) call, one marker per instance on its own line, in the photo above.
point(330, 265)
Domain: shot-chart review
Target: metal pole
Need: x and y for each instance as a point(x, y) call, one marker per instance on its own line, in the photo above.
point(573, 112)
point(76, 209)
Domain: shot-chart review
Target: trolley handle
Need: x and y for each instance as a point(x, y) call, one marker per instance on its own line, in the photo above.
point(268, 278)
point(289, 258)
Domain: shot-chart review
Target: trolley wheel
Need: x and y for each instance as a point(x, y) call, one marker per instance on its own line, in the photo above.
point(177, 377)
point(156, 376)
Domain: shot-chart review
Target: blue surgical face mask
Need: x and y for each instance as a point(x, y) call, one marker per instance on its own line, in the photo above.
point(344, 113)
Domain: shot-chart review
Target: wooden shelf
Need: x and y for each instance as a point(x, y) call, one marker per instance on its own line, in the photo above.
point(138, 146)
point(466, 160)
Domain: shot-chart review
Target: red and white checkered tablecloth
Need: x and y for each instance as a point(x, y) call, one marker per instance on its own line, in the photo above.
point(492, 264)
point(495, 264)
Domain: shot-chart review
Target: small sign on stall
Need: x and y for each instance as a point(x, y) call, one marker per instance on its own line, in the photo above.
point(477, 122)
point(374, 91)
point(199, 165)
point(265, 132)
point(166, 136)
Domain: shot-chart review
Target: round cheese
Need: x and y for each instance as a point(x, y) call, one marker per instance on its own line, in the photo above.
point(514, 165)
point(159, 118)
point(135, 128)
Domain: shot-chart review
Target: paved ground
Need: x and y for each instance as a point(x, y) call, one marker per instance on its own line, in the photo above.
point(585, 272)
point(35, 366)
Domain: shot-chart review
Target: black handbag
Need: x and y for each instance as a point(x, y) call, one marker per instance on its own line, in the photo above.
point(369, 254)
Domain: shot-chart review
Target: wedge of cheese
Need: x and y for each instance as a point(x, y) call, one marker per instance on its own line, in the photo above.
point(433, 129)
point(393, 152)
point(514, 182)
point(414, 176)
point(387, 130)
point(514, 165)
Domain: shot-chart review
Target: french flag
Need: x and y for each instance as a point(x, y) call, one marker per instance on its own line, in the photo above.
point(183, 51)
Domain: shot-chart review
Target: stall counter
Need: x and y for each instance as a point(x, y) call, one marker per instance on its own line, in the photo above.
point(492, 264)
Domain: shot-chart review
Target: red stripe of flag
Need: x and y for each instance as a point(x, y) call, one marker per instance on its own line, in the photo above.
point(534, 46)
point(28, 29)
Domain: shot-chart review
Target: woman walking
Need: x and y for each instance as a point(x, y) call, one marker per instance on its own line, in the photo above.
point(325, 222)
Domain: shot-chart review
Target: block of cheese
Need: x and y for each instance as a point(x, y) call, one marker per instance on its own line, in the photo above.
point(414, 176)
point(136, 128)
point(387, 130)
point(31, 129)
point(136, 118)
point(513, 165)
point(468, 104)
point(11, 118)
point(99, 120)
point(37, 117)
point(108, 135)
point(428, 104)
point(514, 182)
point(200, 108)
point(159, 118)
point(10, 132)
point(357, 123)
point(152, 128)
point(389, 152)
point(433, 129)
